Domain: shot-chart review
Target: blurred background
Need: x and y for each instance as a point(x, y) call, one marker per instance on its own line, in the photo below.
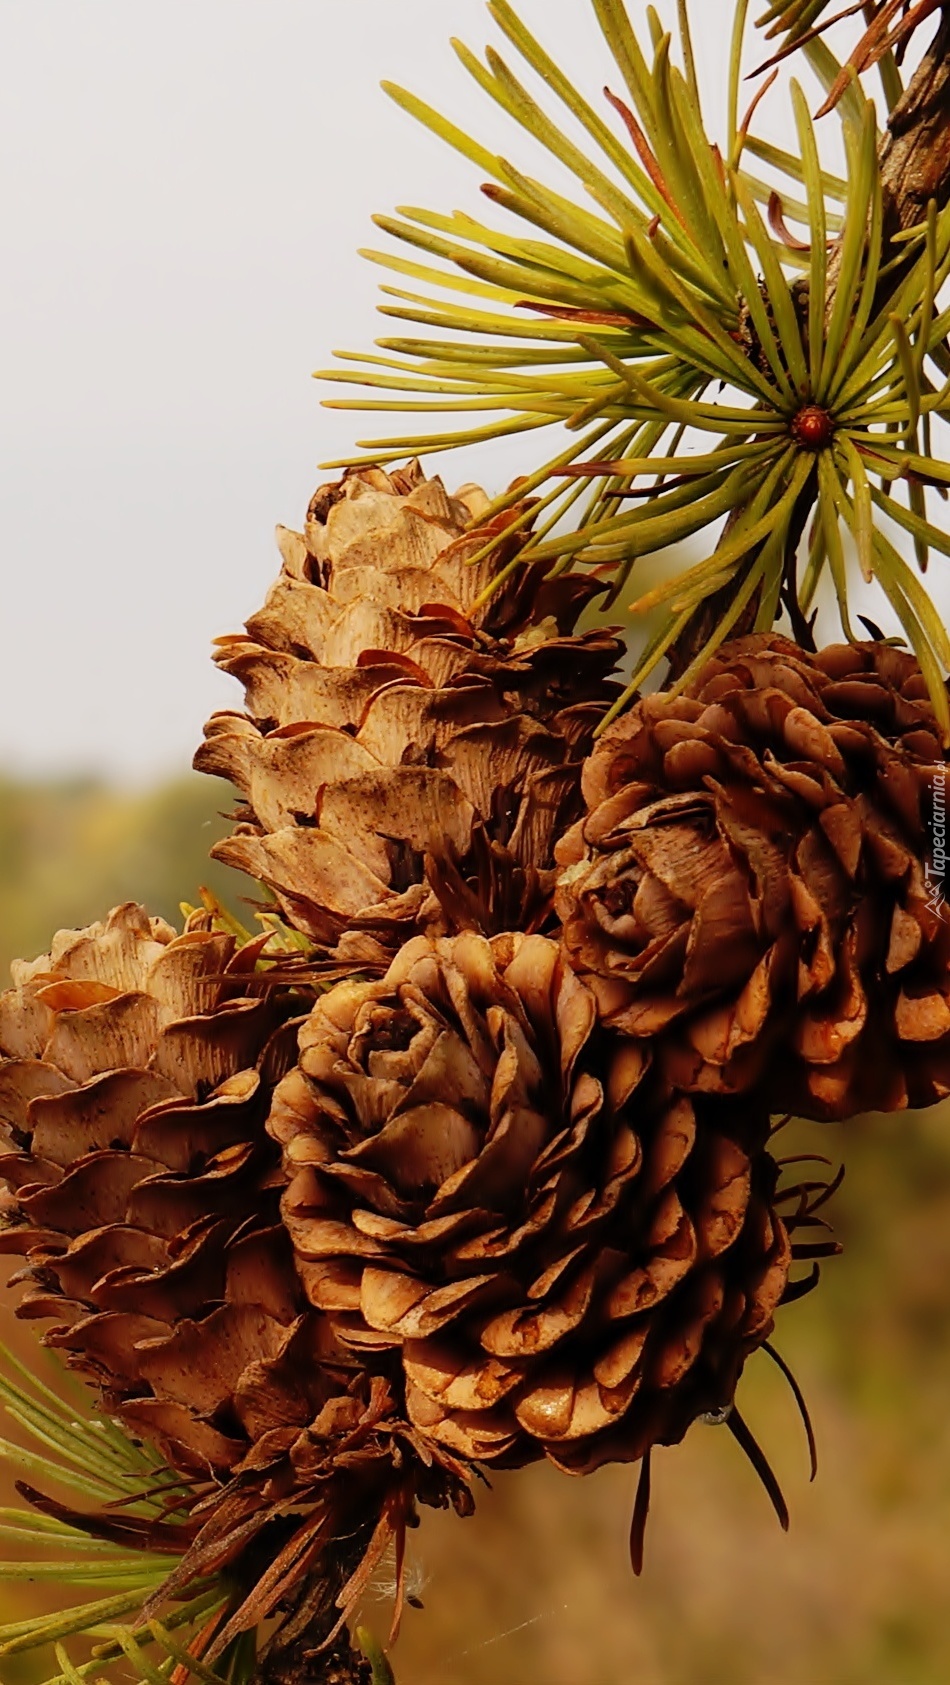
point(182, 194)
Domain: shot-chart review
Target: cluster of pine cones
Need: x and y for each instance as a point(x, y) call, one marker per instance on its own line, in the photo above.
point(484, 1175)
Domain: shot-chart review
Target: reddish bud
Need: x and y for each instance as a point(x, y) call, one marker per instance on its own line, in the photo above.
point(813, 428)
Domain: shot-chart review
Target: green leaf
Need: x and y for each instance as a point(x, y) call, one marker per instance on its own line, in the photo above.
point(740, 601)
point(503, 87)
point(18, 1636)
point(522, 279)
point(817, 217)
point(552, 338)
point(185, 1658)
point(631, 467)
point(927, 468)
point(796, 210)
point(188, 1614)
point(891, 565)
point(656, 649)
point(540, 61)
point(443, 128)
point(447, 278)
point(572, 227)
point(814, 568)
point(376, 1656)
point(70, 1673)
point(793, 16)
point(863, 512)
point(470, 360)
point(862, 157)
point(831, 503)
point(139, 1568)
point(917, 498)
point(779, 295)
point(906, 302)
point(931, 261)
point(911, 373)
point(144, 1668)
point(834, 187)
point(395, 449)
point(683, 512)
point(751, 529)
point(912, 521)
point(627, 55)
point(31, 1462)
point(743, 275)
point(678, 120)
point(854, 343)
point(699, 334)
point(735, 72)
point(686, 41)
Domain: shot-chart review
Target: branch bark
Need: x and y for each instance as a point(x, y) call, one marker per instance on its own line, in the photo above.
point(915, 154)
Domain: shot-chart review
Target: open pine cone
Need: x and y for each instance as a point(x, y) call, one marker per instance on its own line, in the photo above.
point(567, 1266)
point(752, 896)
point(330, 1477)
point(409, 755)
point(136, 1072)
point(136, 1075)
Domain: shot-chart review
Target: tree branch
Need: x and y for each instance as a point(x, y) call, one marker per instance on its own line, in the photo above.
point(915, 165)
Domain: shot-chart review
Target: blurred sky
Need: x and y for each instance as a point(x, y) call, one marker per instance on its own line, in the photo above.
point(183, 187)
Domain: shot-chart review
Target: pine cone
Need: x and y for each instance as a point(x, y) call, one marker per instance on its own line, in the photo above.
point(330, 1479)
point(752, 895)
point(391, 718)
point(568, 1266)
point(136, 1076)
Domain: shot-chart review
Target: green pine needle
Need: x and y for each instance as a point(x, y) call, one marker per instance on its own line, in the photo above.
point(376, 1656)
point(80, 1450)
point(665, 307)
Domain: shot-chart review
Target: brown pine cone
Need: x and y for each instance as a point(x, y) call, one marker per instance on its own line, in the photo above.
point(136, 1075)
point(408, 757)
point(330, 1478)
point(566, 1265)
point(136, 1071)
point(754, 896)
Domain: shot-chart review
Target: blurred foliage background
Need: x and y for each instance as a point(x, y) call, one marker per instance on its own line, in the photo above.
point(537, 1587)
point(71, 850)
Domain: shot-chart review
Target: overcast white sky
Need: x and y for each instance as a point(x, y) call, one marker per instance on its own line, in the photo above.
point(183, 187)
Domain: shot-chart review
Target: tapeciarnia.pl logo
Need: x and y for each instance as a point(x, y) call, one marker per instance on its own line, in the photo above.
point(935, 869)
